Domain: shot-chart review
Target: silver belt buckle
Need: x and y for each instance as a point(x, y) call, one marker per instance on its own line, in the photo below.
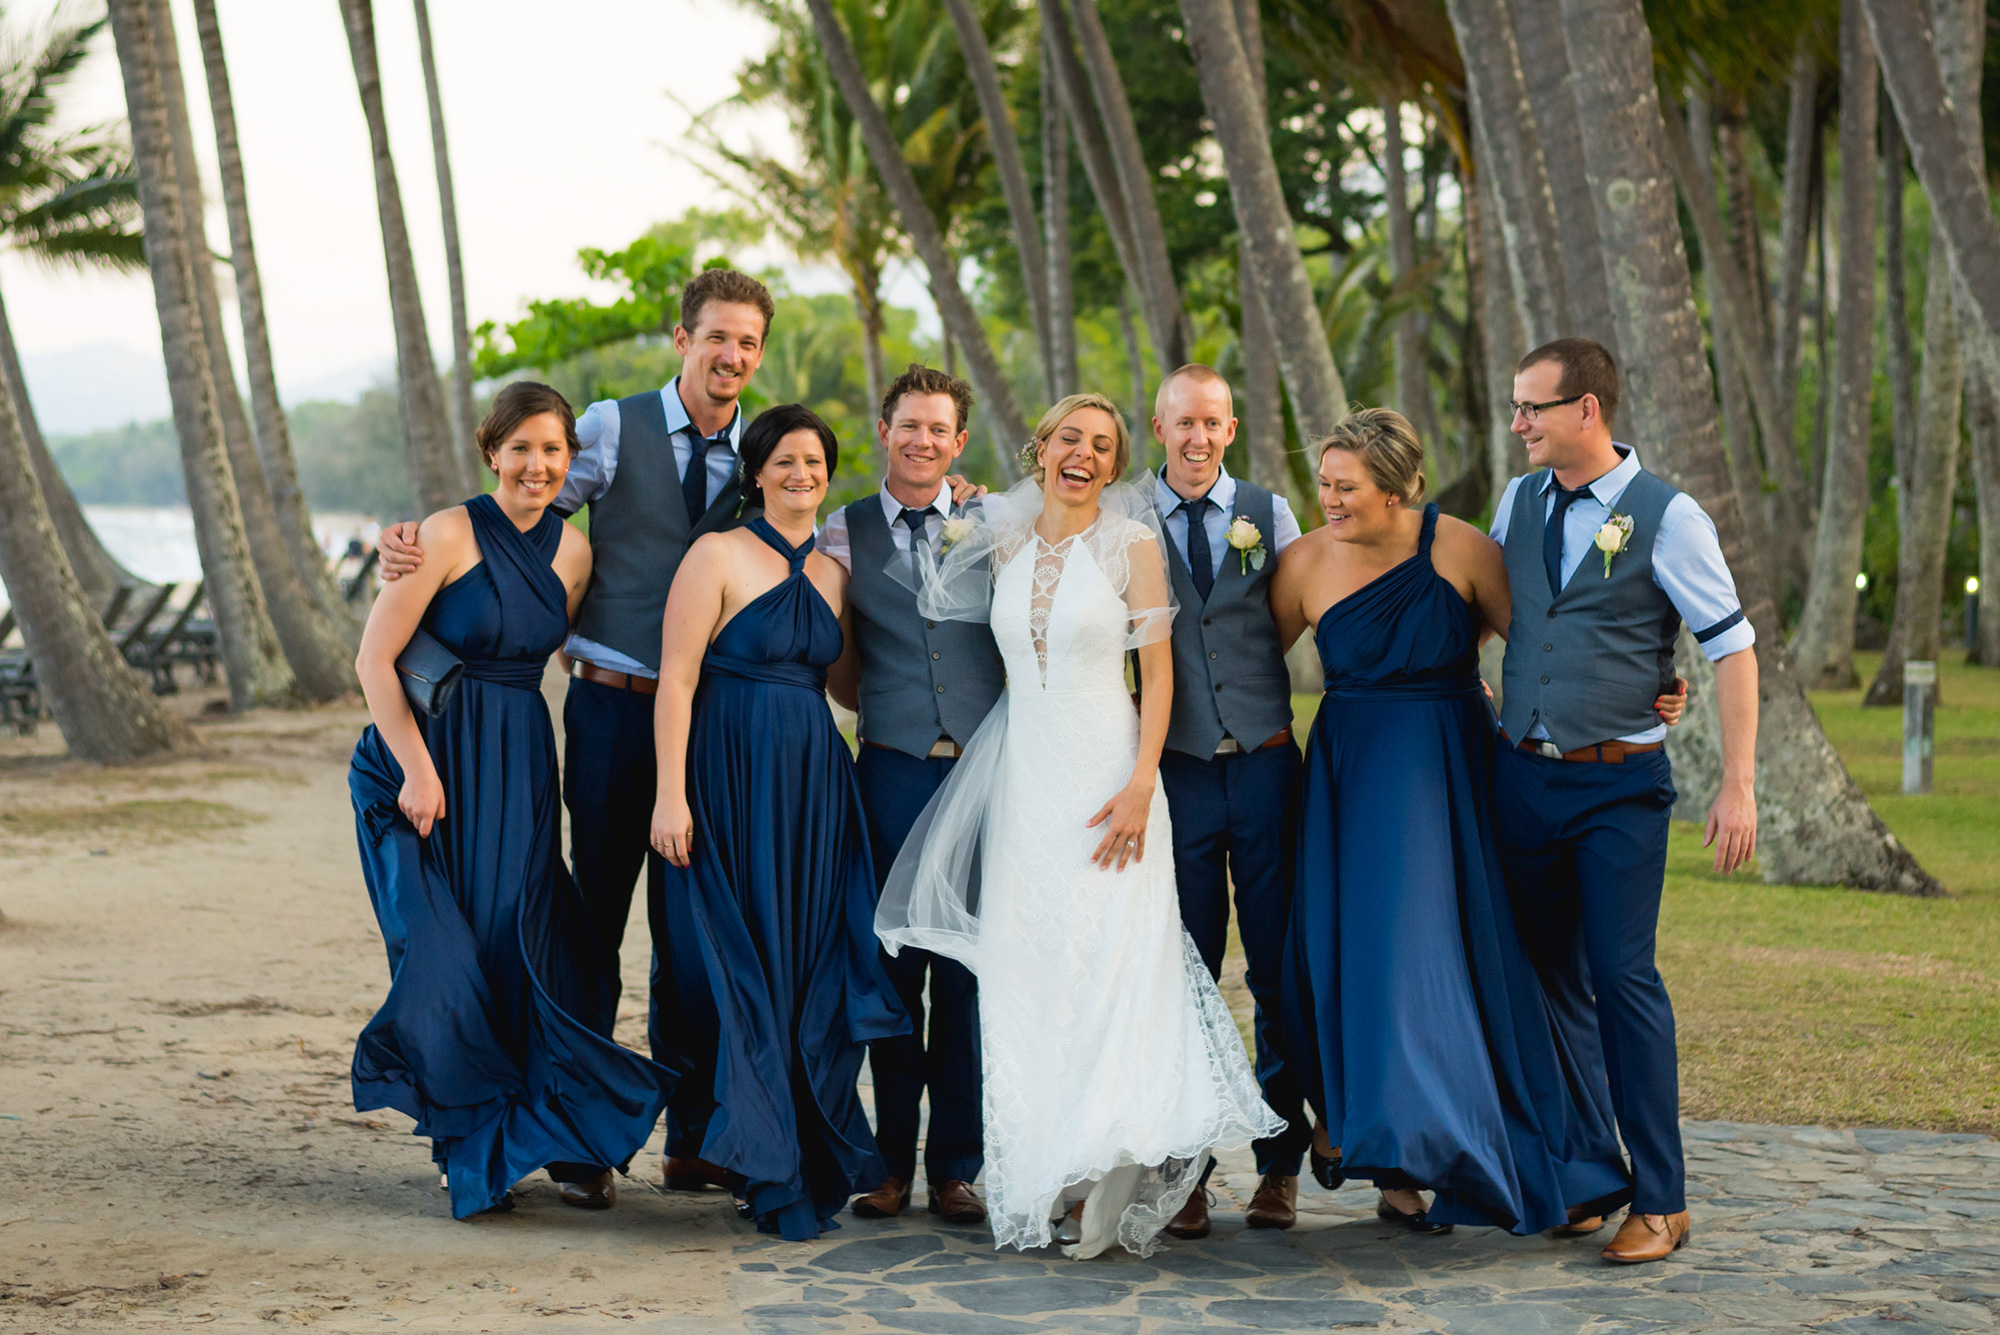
point(1228, 746)
point(1549, 749)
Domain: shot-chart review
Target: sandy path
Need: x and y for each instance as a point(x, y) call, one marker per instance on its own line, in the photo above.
point(187, 955)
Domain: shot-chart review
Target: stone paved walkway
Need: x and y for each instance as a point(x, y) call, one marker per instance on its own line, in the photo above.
point(1795, 1228)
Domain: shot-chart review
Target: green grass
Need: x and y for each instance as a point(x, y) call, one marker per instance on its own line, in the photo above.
point(1821, 1005)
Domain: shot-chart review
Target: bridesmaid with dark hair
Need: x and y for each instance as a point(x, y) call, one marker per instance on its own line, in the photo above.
point(757, 797)
point(460, 820)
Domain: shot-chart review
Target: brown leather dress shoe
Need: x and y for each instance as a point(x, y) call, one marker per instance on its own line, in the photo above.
point(1276, 1203)
point(1647, 1237)
point(694, 1174)
point(885, 1202)
point(600, 1193)
point(1192, 1221)
point(954, 1203)
point(1580, 1225)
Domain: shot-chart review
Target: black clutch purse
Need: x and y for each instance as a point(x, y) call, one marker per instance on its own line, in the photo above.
point(430, 673)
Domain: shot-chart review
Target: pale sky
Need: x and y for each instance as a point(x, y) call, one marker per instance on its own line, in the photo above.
point(561, 133)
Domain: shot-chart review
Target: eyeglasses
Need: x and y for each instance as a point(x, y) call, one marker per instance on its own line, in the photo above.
point(1531, 411)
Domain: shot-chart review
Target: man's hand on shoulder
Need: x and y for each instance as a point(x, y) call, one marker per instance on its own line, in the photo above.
point(400, 554)
point(963, 489)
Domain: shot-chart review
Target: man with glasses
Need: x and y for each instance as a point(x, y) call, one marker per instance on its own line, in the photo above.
point(1605, 561)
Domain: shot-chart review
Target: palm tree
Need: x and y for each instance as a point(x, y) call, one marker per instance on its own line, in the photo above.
point(1816, 825)
point(1824, 645)
point(439, 469)
point(104, 708)
point(317, 648)
point(67, 199)
point(1262, 411)
point(1006, 150)
point(454, 260)
point(1264, 221)
point(252, 656)
point(961, 321)
point(1055, 224)
point(273, 433)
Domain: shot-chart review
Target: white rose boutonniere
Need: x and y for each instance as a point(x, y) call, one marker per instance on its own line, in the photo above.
point(1249, 545)
point(955, 530)
point(1613, 538)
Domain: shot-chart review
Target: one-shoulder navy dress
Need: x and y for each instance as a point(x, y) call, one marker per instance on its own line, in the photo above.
point(488, 956)
point(1422, 1036)
point(783, 894)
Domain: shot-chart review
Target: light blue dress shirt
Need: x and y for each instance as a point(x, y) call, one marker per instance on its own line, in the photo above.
point(1687, 562)
point(833, 542)
point(596, 464)
point(1284, 524)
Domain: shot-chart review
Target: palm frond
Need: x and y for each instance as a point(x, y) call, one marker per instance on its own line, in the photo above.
point(105, 199)
point(31, 78)
point(85, 249)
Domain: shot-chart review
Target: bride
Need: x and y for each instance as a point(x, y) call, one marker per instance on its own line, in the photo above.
point(1112, 1068)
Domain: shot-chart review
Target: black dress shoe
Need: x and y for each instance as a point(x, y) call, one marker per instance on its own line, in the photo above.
point(1325, 1164)
point(1420, 1222)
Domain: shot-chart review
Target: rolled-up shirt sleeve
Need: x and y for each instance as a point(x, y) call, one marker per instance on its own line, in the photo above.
point(596, 460)
point(1689, 568)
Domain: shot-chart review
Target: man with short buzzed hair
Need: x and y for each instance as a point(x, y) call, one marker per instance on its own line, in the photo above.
point(1231, 768)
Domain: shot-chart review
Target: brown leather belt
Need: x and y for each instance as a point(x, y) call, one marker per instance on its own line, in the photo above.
point(1609, 753)
point(1229, 746)
point(622, 681)
point(942, 749)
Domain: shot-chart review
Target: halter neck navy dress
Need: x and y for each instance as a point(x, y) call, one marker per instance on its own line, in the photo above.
point(784, 904)
point(1421, 1033)
point(488, 955)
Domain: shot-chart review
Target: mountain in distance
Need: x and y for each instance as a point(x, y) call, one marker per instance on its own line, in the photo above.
point(103, 385)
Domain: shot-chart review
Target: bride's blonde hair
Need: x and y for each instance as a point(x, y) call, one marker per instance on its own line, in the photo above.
point(1053, 418)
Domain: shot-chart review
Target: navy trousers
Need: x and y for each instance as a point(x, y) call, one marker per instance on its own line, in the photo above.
point(1236, 817)
point(945, 1057)
point(1584, 848)
point(609, 787)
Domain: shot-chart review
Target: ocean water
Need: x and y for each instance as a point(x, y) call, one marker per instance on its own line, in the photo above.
point(157, 542)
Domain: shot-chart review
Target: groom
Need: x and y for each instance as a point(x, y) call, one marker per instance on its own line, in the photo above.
point(922, 688)
point(1605, 561)
point(657, 470)
point(1230, 769)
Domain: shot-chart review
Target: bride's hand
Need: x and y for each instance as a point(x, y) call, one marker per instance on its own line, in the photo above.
point(1125, 834)
point(673, 831)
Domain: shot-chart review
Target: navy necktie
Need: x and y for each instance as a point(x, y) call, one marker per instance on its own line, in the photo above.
point(1201, 562)
point(694, 482)
point(1552, 536)
point(914, 520)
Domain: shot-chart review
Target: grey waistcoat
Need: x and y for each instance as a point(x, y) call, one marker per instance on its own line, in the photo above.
point(1589, 661)
point(639, 531)
point(920, 680)
point(1229, 670)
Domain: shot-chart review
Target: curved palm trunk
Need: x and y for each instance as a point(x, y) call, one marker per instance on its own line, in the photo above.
point(251, 653)
point(961, 321)
point(437, 467)
point(1816, 825)
point(1013, 176)
point(1544, 65)
point(1500, 338)
point(273, 432)
point(104, 708)
point(1824, 645)
point(1262, 219)
point(1055, 225)
point(1413, 375)
point(1982, 410)
point(1262, 411)
point(96, 571)
point(1498, 97)
point(465, 447)
point(1949, 330)
point(322, 658)
point(1166, 319)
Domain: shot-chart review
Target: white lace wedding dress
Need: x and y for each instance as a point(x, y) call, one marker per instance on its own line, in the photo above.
point(1111, 1064)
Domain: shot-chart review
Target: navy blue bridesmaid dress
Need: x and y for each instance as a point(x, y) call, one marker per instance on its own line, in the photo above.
point(489, 956)
point(784, 904)
point(1421, 1033)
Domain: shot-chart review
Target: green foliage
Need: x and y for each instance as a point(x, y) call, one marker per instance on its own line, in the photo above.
point(135, 464)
